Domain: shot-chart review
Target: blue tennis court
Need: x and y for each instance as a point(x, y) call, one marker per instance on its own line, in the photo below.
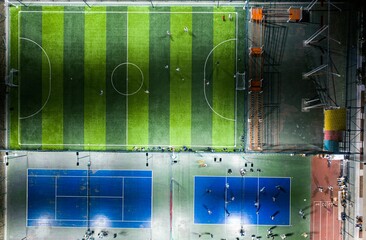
point(244, 200)
point(98, 198)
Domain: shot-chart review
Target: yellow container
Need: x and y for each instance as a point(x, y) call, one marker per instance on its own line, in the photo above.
point(335, 120)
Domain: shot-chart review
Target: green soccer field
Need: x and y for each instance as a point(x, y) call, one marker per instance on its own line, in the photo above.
point(110, 78)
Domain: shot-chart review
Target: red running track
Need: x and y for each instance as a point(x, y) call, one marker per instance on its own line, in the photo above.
point(324, 224)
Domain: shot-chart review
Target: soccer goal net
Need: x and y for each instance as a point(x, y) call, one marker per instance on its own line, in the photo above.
point(240, 81)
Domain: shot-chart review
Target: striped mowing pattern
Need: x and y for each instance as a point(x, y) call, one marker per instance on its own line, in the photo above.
point(180, 76)
point(13, 61)
point(52, 114)
point(94, 77)
point(116, 54)
point(138, 54)
point(73, 85)
point(123, 77)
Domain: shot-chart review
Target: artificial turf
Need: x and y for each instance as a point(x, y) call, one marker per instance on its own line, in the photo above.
point(181, 76)
point(159, 101)
point(138, 53)
point(53, 38)
point(73, 82)
point(88, 108)
point(116, 54)
point(94, 76)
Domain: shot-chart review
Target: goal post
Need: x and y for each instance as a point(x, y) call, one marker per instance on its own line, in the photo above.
point(240, 81)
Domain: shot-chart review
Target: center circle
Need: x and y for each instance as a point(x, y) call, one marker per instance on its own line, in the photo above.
point(127, 93)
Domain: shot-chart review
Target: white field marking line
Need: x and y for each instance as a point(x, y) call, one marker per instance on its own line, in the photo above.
point(152, 204)
point(78, 220)
point(142, 78)
point(119, 145)
point(236, 70)
point(88, 197)
point(55, 197)
point(320, 216)
point(316, 203)
point(50, 77)
point(313, 217)
point(7, 54)
point(19, 77)
point(334, 215)
point(289, 206)
point(83, 196)
point(83, 227)
point(218, 176)
point(123, 200)
point(258, 201)
point(194, 191)
point(326, 220)
point(116, 177)
point(204, 80)
point(26, 200)
point(127, 78)
point(95, 170)
point(125, 12)
point(225, 203)
point(119, 12)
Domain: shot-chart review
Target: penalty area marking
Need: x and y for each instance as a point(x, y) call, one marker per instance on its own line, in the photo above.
point(204, 81)
point(49, 90)
point(126, 93)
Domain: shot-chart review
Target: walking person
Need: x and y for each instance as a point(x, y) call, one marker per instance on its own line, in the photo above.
point(302, 214)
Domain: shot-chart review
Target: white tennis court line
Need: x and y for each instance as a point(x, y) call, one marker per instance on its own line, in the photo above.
point(26, 201)
point(40, 176)
point(91, 196)
point(56, 198)
point(123, 145)
point(87, 197)
point(123, 199)
point(80, 220)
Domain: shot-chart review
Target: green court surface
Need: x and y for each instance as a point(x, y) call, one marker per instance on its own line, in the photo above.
point(115, 78)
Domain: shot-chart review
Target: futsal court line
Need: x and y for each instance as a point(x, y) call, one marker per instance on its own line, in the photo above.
point(236, 71)
point(126, 79)
point(127, 145)
point(120, 145)
point(241, 213)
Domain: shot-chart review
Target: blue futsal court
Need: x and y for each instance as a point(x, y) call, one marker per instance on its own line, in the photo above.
point(244, 200)
point(105, 198)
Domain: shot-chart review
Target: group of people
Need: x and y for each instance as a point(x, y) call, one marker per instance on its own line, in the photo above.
point(230, 17)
